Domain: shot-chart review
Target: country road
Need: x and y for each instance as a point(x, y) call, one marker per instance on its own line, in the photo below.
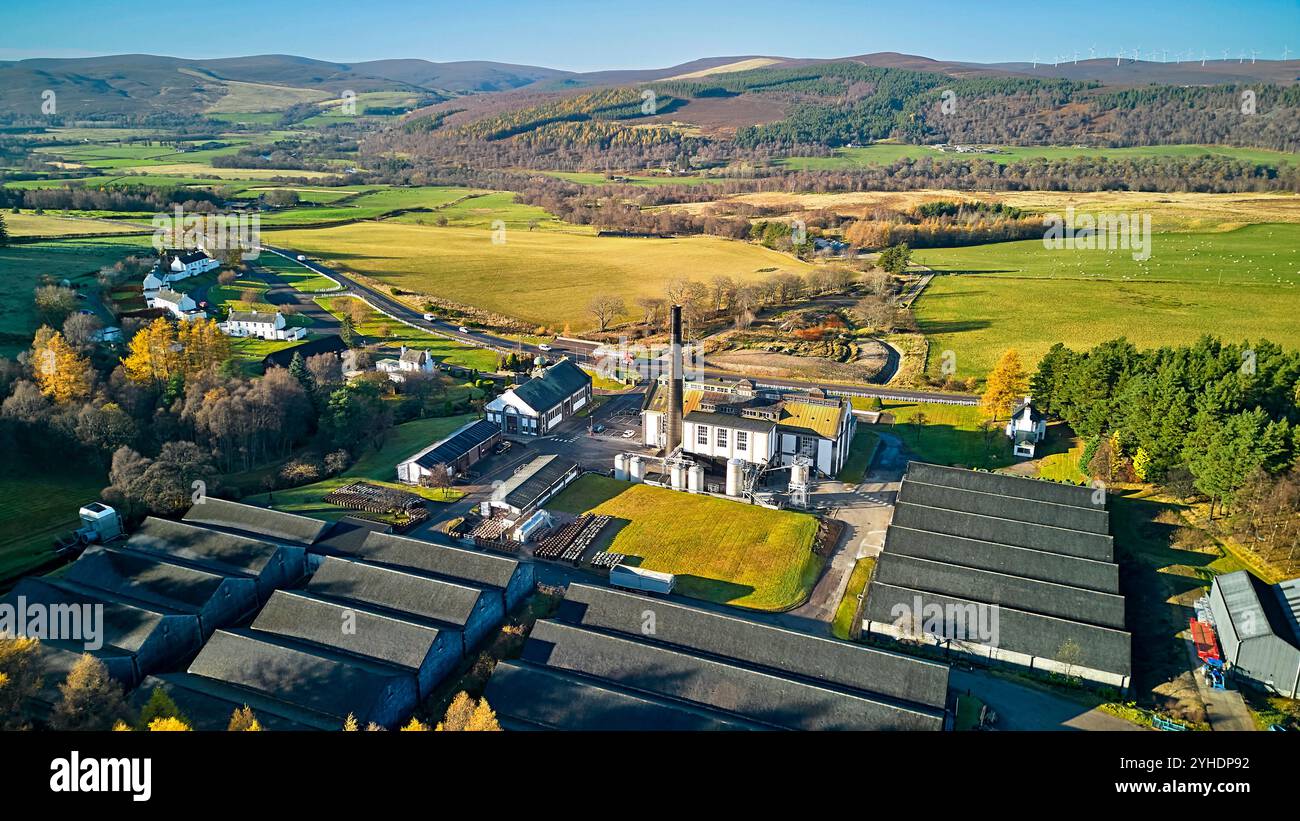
point(584, 351)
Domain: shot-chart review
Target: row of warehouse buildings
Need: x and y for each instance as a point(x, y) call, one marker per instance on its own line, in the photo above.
point(305, 621)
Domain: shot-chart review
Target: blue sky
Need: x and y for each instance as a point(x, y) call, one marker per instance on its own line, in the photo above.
point(585, 35)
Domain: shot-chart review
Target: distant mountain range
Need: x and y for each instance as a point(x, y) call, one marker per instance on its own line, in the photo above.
point(139, 84)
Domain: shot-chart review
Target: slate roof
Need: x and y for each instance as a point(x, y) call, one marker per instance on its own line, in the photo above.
point(262, 317)
point(297, 615)
point(523, 489)
point(756, 696)
point(1089, 519)
point(526, 696)
point(1005, 531)
point(145, 577)
point(557, 383)
point(728, 420)
point(284, 357)
point(207, 704)
point(191, 257)
point(169, 296)
point(762, 646)
point(1035, 415)
point(1031, 564)
point(272, 524)
point(443, 560)
point(326, 685)
point(1259, 609)
point(394, 590)
point(1017, 486)
point(213, 550)
point(460, 442)
point(125, 626)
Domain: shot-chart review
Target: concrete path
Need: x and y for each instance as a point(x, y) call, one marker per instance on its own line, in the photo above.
point(1224, 709)
point(1024, 707)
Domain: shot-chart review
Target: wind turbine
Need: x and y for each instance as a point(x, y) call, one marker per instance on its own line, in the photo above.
point(1225, 55)
point(1203, 56)
point(1137, 54)
point(1035, 59)
point(1119, 55)
point(1285, 51)
point(1253, 54)
point(1076, 56)
point(1092, 51)
point(1164, 55)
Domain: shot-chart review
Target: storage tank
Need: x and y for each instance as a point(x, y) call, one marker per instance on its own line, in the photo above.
point(636, 469)
point(735, 476)
point(695, 479)
point(679, 476)
point(620, 467)
point(485, 509)
point(799, 474)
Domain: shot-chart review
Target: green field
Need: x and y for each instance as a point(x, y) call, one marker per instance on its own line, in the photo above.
point(887, 153)
point(861, 452)
point(296, 276)
point(378, 327)
point(370, 205)
point(22, 266)
point(720, 550)
point(543, 277)
point(842, 626)
point(35, 509)
point(1235, 284)
point(489, 209)
point(379, 467)
point(950, 434)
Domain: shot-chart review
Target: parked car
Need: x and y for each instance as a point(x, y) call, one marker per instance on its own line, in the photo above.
point(463, 329)
point(597, 428)
point(629, 433)
point(429, 317)
point(543, 347)
point(502, 447)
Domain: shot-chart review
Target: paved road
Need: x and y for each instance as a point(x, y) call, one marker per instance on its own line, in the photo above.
point(1024, 707)
point(1224, 709)
point(584, 351)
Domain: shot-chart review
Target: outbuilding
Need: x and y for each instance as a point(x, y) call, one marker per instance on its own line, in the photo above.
point(1257, 625)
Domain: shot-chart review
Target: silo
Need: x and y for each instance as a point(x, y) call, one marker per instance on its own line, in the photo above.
point(799, 474)
point(679, 476)
point(636, 469)
point(735, 476)
point(620, 467)
point(695, 479)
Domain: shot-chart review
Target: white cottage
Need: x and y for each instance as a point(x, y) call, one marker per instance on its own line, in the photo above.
point(184, 264)
point(179, 305)
point(260, 324)
point(1026, 428)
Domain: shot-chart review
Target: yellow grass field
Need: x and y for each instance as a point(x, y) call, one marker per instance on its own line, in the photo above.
point(1169, 212)
point(49, 225)
point(544, 277)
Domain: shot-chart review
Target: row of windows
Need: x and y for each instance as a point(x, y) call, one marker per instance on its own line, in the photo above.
point(702, 437)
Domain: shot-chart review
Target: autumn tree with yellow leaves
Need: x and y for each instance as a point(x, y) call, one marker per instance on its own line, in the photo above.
point(1005, 386)
point(62, 374)
point(163, 349)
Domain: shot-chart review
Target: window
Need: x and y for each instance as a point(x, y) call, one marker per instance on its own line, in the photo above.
point(701, 434)
point(807, 445)
point(742, 440)
point(722, 437)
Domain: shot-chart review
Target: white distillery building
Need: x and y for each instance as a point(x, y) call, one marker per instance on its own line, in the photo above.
point(727, 420)
point(538, 406)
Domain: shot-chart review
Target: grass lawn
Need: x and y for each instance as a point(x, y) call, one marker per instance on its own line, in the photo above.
point(381, 328)
point(1063, 467)
point(861, 451)
point(842, 626)
point(1243, 283)
point(721, 551)
point(950, 435)
point(36, 508)
point(544, 277)
point(28, 224)
point(378, 467)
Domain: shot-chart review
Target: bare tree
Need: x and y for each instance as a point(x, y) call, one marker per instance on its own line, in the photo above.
point(606, 308)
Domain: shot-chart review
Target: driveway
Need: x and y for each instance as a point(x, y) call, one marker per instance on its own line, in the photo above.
point(1025, 707)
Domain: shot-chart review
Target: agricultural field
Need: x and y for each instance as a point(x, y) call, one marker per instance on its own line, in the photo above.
point(379, 467)
point(35, 509)
point(23, 266)
point(371, 205)
point(544, 277)
point(486, 209)
point(721, 551)
point(886, 153)
point(49, 224)
point(383, 329)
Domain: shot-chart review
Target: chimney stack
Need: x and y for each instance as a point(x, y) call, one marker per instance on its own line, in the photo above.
point(675, 386)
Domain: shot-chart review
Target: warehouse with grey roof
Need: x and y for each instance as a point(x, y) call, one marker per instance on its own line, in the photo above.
point(1017, 570)
point(597, 664)
point(1258, 626)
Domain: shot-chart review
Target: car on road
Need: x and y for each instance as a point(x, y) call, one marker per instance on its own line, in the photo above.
point(429, 317)
point(463, 329)
point(543, 347)
point(302, 258)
